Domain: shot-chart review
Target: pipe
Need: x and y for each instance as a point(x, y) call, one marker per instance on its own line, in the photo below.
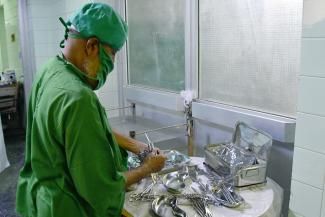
point(118, 108)
point(133, 133)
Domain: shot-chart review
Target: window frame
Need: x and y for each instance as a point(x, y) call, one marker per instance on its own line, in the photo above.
point(281, 128)
point(158, 90)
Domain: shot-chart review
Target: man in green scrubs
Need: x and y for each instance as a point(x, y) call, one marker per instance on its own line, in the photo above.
point(75, 164)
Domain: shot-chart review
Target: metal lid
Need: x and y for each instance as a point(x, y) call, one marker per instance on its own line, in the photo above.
point(253, 140)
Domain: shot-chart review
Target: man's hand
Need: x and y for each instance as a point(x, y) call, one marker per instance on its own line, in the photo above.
point(151, 164)
point(142, 146)
point(132, 145)
point(154, 163)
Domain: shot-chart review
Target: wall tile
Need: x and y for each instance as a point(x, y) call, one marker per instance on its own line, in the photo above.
point(43, 36)
point(311, 95)
point(40, 10)
point(43, 23)
point(323, 205)
point(58, 35)
point(37, 2)
point(74, 5)
point(305, 200)
point(55, 49)
point(43, 50)
point(110, 2)
point(40, 61)
point(29, 10)
point(60, 4)
point(308, 167)
point(310, 132)
point(312, 57)
point(314, 18)
point(56, 23)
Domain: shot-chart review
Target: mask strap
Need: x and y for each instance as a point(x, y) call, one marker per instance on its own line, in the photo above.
point(66, 62)
point(66, 31)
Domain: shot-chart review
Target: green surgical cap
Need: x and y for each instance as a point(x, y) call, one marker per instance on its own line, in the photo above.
point(101, 21)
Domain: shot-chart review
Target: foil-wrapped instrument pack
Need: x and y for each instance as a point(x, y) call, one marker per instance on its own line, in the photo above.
point(244, 159)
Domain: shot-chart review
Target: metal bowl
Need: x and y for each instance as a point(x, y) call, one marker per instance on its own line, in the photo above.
point(161, 206)
point(174, 182)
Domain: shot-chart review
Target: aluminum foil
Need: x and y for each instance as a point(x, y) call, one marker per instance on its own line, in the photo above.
point(244, 158)
point(133, 161)
point(173, 158)
point(235, 157)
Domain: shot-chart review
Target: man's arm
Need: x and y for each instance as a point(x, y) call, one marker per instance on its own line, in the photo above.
point(130, 144)
point(152, 164)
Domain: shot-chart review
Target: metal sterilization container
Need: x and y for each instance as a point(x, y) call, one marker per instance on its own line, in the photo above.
point(244, 158)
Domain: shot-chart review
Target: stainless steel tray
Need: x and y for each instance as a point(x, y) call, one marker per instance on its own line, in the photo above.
point(174, 182)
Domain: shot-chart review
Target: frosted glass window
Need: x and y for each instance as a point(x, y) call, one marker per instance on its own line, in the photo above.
point(249, 53)
point(156, 43)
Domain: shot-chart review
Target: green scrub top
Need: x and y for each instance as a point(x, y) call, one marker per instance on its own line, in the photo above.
point(73, 165)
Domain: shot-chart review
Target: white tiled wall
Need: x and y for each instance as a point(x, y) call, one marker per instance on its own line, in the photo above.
point(41, 15)
point(309, 167)
point(308, 136)
point(323, 205)
point(305, 199)
point(47, 32)
point(308, 173)
point(312, 51)
point(311, 92)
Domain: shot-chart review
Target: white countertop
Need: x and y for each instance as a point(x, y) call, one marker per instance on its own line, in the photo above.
point(260, 200)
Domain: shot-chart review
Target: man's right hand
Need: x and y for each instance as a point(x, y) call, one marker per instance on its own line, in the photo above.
point(154, 163)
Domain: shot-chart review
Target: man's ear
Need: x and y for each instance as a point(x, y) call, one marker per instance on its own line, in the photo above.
point(92, 47)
